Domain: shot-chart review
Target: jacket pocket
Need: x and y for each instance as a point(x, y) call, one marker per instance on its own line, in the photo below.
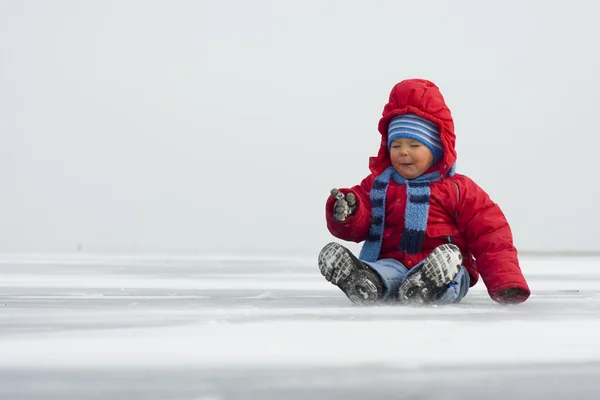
point(439, 231)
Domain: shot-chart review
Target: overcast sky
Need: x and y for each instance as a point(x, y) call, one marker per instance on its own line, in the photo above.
point(220, 126)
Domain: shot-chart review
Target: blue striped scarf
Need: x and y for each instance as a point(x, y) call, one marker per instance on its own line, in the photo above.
point(415, 218)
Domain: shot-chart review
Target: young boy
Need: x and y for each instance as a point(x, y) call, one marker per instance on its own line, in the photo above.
point(428, 233)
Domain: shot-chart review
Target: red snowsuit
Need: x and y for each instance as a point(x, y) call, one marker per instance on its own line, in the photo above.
point(459, 212)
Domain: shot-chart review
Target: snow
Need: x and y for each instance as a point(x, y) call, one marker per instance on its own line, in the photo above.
point(86, 326)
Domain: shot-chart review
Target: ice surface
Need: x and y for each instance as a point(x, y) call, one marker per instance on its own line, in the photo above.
point(219, 327)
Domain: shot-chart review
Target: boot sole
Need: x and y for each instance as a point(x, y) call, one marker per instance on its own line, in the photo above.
point(340, 267)
point(435, 274)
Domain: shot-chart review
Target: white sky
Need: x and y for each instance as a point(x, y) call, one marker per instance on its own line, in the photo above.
point(220, 126)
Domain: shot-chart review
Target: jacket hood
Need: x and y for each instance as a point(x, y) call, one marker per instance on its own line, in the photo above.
point(421, 97)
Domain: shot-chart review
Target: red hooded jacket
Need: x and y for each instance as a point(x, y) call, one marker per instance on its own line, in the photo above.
point(459, 211)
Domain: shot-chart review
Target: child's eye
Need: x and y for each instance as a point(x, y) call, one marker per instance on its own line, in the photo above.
point(415, 145)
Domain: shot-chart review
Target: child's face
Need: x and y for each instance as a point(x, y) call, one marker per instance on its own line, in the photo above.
point(410, 158)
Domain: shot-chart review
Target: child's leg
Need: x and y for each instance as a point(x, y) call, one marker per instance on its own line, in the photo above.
point(457, 289)
point(392, 274)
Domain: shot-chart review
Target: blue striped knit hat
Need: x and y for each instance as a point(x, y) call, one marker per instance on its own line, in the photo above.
point(412, 126)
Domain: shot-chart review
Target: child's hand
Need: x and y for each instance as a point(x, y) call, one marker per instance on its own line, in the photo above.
point(344, 206)
point(512, 296)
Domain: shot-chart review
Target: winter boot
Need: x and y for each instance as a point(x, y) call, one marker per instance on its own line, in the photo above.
point(432, 276)
point(358, 281)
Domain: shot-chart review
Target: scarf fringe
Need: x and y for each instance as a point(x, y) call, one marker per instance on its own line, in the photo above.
point(412, 241)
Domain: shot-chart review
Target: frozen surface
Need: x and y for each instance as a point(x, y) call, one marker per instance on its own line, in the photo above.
point(163, 327)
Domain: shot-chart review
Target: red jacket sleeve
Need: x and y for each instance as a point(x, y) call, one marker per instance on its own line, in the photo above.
point(356, 226)
point(489, 238)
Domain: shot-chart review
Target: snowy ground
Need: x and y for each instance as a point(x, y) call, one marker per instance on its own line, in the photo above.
point(83, 327)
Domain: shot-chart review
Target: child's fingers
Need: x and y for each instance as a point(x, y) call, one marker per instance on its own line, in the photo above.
point(351, 199)
point(344, 205)
point(341, 206)
point(336, 193)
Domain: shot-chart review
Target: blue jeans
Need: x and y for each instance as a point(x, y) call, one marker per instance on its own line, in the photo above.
point(393, 273)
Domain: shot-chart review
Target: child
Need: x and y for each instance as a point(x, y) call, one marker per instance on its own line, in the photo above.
point(428, 233)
